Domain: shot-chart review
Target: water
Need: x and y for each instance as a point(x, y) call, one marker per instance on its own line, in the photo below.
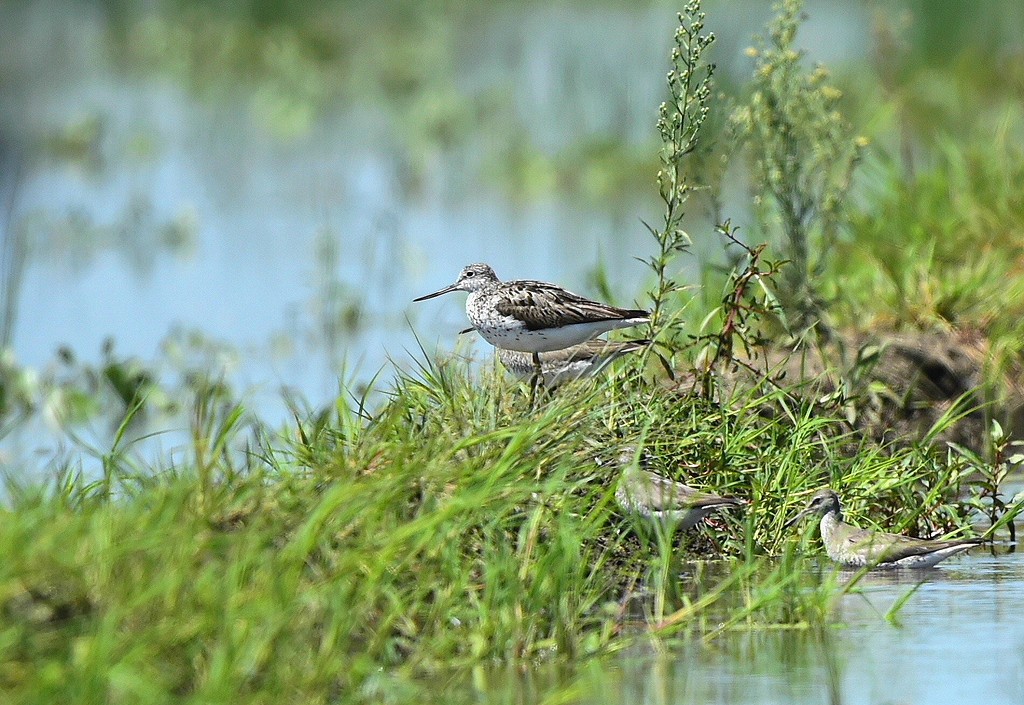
point(298, 235)
point(957, 640)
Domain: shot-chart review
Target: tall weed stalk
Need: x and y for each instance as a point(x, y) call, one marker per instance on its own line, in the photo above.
point(802, 159)
point(680, 120)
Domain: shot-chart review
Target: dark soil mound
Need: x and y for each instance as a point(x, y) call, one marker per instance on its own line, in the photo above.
point(896, 387)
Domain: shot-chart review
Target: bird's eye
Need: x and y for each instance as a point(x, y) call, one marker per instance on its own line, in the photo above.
point(470, 274)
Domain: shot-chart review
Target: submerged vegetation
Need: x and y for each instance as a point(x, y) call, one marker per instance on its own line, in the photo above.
point(425, 534)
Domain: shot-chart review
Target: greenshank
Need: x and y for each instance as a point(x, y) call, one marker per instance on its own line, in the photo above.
point(560, 366)
point(857, 548)
point(534, 317)
point(655, 497)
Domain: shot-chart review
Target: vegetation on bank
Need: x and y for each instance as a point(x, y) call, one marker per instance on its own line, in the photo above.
point(399, 540)
point(454, 528)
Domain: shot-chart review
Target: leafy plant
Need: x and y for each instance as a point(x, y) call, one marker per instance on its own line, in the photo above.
point(802, 158)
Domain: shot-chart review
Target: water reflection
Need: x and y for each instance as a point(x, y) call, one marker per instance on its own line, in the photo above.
point(957, 639)
point(776, 667)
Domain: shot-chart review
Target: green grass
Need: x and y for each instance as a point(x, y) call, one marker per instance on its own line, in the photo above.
point(452, 529)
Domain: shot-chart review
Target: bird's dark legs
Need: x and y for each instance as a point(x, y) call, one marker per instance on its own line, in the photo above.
point(537, 380)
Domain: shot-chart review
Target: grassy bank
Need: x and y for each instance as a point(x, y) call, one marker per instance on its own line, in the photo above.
point(456, 528)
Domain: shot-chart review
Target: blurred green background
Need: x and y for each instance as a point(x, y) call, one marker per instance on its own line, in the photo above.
point(253, 192)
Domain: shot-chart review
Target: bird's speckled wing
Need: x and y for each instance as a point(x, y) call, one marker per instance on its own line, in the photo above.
point(541, 305)
point(599, 349)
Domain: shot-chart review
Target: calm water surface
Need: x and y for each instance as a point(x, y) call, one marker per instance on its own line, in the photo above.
point(959, 639)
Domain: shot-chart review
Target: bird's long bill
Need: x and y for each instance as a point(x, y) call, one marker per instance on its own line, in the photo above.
point(796, 520)
point(436, 293)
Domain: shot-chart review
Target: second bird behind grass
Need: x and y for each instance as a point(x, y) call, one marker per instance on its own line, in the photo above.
point(560, 366)
point(664, 500)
